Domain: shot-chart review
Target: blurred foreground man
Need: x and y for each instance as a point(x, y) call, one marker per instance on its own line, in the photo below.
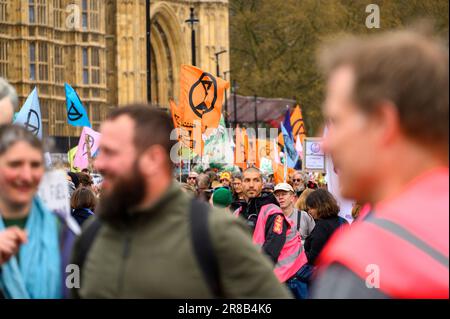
point(387, 110)
point(146, 241)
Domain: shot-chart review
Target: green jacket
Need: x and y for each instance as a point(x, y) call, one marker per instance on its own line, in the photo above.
point(154, 257)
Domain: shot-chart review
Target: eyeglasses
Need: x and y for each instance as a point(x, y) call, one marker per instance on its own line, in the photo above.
point(194, 178)
point(223, 180)
point(297, 180)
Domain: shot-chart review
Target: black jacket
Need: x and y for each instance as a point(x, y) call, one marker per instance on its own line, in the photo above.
point(81, 215)
point(251, 209)
point(274, 240)
point(320, 235)
point(237, 203)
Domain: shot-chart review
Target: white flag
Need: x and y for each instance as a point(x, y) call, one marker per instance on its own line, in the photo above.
point(333, 187)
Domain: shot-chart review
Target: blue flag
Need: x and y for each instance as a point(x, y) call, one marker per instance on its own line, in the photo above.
point(29, 115)
point(76, 114)
point(287, 123)
point(290, 152)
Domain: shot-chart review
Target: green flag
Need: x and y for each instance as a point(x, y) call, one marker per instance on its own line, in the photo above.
point(218, 149)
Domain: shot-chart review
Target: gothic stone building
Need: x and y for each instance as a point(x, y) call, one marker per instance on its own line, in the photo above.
point(99, 47)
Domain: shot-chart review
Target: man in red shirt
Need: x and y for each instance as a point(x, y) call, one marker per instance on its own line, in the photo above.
point(387, 112)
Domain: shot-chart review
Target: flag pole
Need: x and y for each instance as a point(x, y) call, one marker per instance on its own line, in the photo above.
point(180, 165)
point(189, 161)
point(88, 147)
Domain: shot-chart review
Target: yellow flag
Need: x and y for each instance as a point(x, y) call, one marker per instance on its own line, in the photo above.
point(70, 157)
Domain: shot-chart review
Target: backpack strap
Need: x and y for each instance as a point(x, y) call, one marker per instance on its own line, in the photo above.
point(201, 241)
point(85, 242)
point(299, 219)
point(203, 249)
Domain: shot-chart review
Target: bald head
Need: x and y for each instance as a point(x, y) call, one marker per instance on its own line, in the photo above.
point(8, 101)
point(252, 170)
point(252, 183)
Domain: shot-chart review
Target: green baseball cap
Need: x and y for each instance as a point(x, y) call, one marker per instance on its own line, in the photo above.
point(222, 197)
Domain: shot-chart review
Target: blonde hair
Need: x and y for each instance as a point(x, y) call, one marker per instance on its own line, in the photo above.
point(301, 202)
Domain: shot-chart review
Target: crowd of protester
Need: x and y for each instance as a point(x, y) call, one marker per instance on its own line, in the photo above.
point(218, 234)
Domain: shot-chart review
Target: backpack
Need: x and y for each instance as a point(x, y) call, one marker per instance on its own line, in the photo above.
point(201, 241)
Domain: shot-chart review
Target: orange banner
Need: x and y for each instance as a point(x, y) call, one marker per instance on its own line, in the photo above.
point(278, 173)
point(188, 135)
point(201, 97)
point(252, 150)
point(240, 155)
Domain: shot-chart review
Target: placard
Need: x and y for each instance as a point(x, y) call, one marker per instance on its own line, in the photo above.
point(313, 155)
point(54, 192)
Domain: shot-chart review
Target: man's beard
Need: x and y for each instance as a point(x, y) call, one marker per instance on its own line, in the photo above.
point(126, 193)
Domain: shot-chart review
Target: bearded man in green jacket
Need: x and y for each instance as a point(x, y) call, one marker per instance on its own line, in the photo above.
point(142, 246)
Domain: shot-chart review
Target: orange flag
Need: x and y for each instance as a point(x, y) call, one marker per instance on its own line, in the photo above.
point(280, 142)
point(245, 146)
point(176, 114)
point(201, 96)
point(252, 150)
point(186, 134)
point(240, 155)
point(297, 123)
point(278, 172)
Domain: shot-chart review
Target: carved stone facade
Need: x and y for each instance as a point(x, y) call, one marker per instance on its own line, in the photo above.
point(99, 47)
point(45, 43)
point(171, 42)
